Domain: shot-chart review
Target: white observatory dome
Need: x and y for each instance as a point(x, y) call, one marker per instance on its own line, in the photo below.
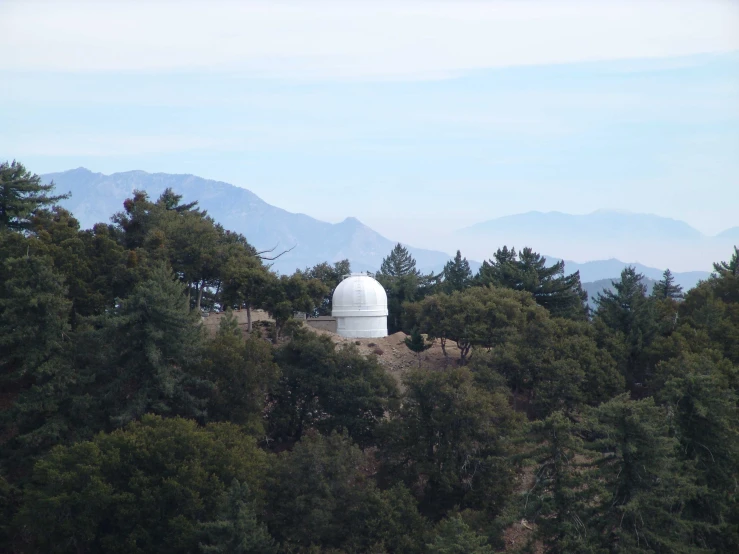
point(360, 307)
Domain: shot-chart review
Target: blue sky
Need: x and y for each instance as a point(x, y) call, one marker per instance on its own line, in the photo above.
point(411, 116)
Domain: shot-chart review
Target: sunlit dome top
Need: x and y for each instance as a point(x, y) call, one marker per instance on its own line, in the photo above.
point(359, 295)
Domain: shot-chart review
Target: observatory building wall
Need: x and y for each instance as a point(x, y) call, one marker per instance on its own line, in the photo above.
point(360, 307)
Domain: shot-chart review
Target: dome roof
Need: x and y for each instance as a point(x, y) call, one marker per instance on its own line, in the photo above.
point(359, 295)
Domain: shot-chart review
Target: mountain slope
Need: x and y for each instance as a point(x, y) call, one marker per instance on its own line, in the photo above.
point(654, 240)
point(602, 224)
point(95, 197)
point(608, 270)
point(729, 234)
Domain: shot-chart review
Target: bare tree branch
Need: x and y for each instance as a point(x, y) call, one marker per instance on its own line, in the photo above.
point(269, 251)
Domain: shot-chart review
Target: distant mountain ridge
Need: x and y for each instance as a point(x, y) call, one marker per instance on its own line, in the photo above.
point(660, 241)
point(600, 270)
point(612, 223)
point(96, 196)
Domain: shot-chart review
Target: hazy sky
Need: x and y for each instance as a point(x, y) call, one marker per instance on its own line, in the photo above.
point(411, 116)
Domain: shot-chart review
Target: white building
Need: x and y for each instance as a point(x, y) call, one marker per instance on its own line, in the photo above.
point(360, 307)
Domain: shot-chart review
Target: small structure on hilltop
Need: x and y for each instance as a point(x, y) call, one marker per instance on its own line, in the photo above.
point(360, 307)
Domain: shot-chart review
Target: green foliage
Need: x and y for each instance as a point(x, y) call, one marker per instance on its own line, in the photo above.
point(629, 313)
point(646, 486)
point(712, 309)
point(449, 442)
point(706, 423)
point(143, 489)
point(287, 295)
point(148, 348)
point(457, 274)
point(453, 536)
point(560, 501)
point(328, 388)
point(417, 343)
point(242, 372)
point(556, 364)
point(330, 276)
point(319, 494)
point(480, 317)
point(36, 370)
point(236, 529)
point(666, 288)
point(100, 327)
point(21, 194)
point(562, 295)
point(403, 283)
point(399, 263)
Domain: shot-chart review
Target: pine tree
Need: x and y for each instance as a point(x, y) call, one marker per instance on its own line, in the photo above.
point(457, 274)
point(454, 536)
point(706, 424)
point(417, 343)
point(666, 288)
point(399, 263)
point(560, 500)
point(149, 346)
point(630, 313)
point(242, 372)
point(526, 270)
point(21, 194)
point(457, 435)
point(144, 489)
point(37, 374)
point(728, 268)
point(647, 486)
point(236, 529)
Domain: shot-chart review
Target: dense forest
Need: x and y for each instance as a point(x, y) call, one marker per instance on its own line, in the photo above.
point(125, 427)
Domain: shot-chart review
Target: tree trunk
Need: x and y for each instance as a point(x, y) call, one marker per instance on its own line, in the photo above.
point(200, 293)
point(248, 318)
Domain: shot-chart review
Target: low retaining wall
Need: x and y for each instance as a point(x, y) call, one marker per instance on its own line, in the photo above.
point(325, 323)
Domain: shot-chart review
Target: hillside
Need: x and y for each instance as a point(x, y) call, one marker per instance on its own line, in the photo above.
point(653, 240)
point(95, 196)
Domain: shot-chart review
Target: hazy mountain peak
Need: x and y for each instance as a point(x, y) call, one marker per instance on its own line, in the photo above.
point(95, 197)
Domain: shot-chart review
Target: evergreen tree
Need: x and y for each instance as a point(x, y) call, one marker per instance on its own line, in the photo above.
point(236, 529)
point(526, 270)
point(706, 424)
point(242, 372)
point(666, 288)
point(146, 488)
point(21, 194)
point(36, 370)
point(399, 263)
point(647, 485)
point(456, 435)
point(454, 536)
point(149, 347)
point(457, 274)
point(319, 494)
point(630, 313)
point(328, 388)
point(560, 501)
point(417, 343)
point(730, 268)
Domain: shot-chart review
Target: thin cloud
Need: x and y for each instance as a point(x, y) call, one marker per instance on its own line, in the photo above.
point(354, 40)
